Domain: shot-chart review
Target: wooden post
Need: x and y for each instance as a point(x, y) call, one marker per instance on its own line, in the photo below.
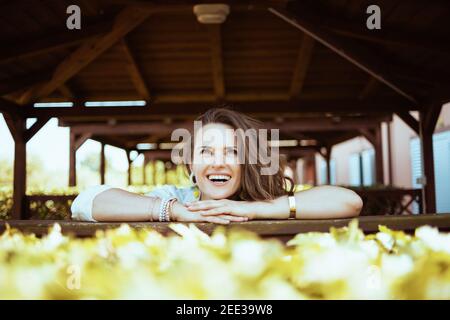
point(76, 141)
point(389, 150)
point(328, 165)
point(16, 123)
point(314, 168)
point(17, 127)
point(130, 181)
point(102, 164)
point(72, 160)
point(20, 170)
point(144, 174)
point(428, 120)
point(378, 146)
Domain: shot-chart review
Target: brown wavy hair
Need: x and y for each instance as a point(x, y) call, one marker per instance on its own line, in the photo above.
point(254, 186)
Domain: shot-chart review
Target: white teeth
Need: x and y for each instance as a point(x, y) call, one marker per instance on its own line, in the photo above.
point(219, 177)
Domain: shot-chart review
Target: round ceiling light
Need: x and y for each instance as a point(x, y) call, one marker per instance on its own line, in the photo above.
point(211, 13)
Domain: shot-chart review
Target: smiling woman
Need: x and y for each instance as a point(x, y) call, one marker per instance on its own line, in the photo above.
point(237, 181)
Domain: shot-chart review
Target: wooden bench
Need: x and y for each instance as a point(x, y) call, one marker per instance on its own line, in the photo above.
point(281, 229)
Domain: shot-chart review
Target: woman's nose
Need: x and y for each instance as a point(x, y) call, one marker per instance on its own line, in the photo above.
point(219, 158)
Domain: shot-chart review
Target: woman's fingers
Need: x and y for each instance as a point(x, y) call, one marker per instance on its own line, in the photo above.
point(233, 218)
point(216, 220)
point(204, 205)
point(222, 210)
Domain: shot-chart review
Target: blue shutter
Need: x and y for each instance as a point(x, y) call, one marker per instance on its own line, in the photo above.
point(354, 170)
point(333, 171)
point(368, 161)
point(441, 145)
point(323, 171)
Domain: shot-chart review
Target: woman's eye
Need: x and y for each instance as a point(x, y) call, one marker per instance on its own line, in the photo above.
point(206, 152)
point(231, 152)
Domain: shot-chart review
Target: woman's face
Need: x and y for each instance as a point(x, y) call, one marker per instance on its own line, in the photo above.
point(215, 162)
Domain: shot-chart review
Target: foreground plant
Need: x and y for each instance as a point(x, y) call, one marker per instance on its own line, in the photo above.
point(126, 263)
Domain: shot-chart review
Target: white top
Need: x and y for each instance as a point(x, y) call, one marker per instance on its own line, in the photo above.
point(82, 205)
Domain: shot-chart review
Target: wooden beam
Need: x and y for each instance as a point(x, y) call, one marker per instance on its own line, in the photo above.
point(81, 139)
point(254, 107)
point(391, 37)
point(126, 21)
point(301, 66)
point(369, 88)
point(409, 120)
point(40, 122)
point(303, 125)
point(342, 137)
point(217, 61)
point(369, 135)
point(10, 108)
point(67, 92)
point(356, 56)
point(16, 83)
point(134, 71)
point(27, 48)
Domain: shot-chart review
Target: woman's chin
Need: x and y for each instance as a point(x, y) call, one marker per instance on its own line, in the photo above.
point(218, 195)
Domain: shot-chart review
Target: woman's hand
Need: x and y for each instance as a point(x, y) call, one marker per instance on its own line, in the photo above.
point(181, 213)
point(223, 208)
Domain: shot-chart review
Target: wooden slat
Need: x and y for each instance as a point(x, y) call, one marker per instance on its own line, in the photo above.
point(134, 71)
point(126, 21)
point(217, 61)
point(16, 83)
point(391, 37)
point(35, 46)
point(369, 88)
point(351, 53)
point(301, 66)
point(67, 92)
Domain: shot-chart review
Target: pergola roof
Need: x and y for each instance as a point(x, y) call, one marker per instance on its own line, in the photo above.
point(161, 53)
point(270, 59)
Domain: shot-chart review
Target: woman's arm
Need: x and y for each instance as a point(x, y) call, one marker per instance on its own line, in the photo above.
point(116, 204)
point(323, 202)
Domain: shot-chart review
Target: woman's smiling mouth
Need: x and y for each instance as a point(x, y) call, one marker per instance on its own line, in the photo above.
point(219, 179)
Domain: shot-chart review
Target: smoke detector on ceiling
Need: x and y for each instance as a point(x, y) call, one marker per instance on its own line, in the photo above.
point(211, 13)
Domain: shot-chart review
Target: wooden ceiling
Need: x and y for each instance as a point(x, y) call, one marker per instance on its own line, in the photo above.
point(256, 61)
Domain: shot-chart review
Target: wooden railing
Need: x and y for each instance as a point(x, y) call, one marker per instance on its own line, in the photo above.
point(391, 201)
point(54, 207)
point(376, 202)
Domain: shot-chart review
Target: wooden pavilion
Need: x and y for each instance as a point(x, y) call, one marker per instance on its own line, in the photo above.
point(310, 68)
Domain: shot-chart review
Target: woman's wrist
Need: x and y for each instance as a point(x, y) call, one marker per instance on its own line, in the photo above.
point(273, 209)
point(177, 211)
